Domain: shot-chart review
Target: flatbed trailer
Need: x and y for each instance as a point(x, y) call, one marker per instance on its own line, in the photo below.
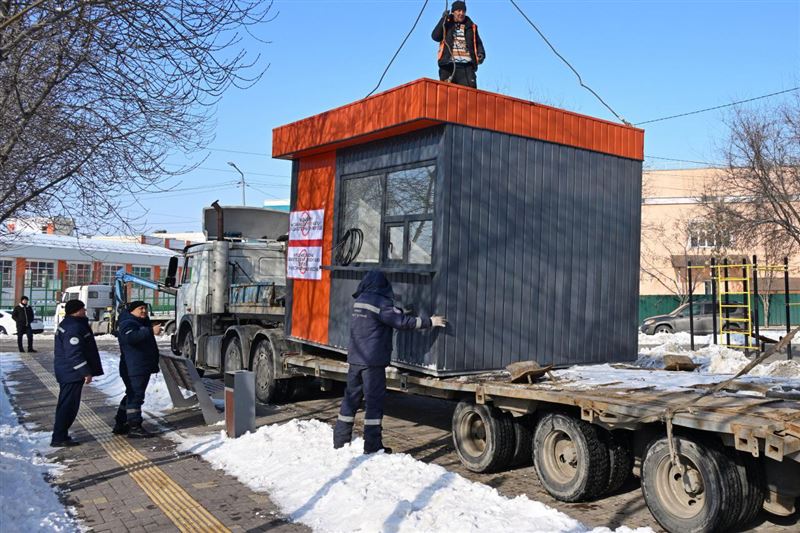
point(707, 462)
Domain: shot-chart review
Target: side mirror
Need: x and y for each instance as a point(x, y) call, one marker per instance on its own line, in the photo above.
point(172, 269)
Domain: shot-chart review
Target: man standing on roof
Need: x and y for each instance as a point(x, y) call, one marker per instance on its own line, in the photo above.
point(138, 359)
point(374, 320)
point(460, 47)
point(76, 361)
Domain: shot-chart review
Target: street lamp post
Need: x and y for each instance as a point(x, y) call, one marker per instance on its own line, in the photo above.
point(231, 163)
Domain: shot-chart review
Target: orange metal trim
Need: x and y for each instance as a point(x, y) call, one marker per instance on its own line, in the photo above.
point(425, 102)
point(311, 298)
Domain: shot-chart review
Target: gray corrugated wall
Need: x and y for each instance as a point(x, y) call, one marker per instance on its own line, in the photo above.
point(412, 288)
point(540, 251)
point(536, 252)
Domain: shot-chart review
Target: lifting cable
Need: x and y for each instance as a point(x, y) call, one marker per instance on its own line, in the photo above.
point(349, 246)
point(580, 80)
point(398, 50)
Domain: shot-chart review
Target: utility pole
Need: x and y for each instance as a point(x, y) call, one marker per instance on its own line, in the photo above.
point(231, 163)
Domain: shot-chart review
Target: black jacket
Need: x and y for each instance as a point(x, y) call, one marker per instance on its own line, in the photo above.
point(137, 344)
point(374, 320)
point(474, 43)
point(23, 316)
point(76, 354)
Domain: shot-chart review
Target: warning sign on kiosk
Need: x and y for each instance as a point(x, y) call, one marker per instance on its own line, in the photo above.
point(306, 225)
point(304, 262)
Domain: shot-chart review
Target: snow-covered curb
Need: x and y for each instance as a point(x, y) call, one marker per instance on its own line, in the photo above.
point(27, 501)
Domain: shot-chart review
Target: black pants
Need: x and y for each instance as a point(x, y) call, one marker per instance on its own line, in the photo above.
point(69, 401)
point(464, 74)
point(24, 330)
point(367, 383)
point(130, 408)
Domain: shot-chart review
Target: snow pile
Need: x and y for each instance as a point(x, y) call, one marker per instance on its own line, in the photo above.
point(344, 490)
point(716, 359)
point(27, 501)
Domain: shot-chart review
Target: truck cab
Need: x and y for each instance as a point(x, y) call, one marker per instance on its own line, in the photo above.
point(99, 303)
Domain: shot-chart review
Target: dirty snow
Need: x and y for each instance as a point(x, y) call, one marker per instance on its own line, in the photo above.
point(27, 501)
point(343, 490)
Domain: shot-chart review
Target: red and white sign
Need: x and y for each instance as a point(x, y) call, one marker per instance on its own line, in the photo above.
point(304, 262)
point(306, 225)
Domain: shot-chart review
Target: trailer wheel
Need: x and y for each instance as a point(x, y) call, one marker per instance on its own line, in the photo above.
point(712, 498)
point(483, 437)
point(523, 433)
point(570, 458)
point(233, 354)
point(268, 388)
point(752, 485)
point(620, 462)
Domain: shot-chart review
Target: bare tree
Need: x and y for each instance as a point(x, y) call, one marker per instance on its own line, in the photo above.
point(96, 94)
point(757, 196)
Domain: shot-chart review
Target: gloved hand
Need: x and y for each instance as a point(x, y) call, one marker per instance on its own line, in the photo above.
point(438, 321)
point(446, 13)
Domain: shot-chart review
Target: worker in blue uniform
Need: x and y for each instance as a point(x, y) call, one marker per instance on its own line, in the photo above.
point(138, 359)
point(76, 362)
point(374, 320)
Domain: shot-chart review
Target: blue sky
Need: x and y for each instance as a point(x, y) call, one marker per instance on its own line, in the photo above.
point(646, 59)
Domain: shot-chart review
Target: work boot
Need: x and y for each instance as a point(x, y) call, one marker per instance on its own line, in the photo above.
point(385, 450)
point(31, 350)
point(138, 432)
point(66, 443)
point(120, 429)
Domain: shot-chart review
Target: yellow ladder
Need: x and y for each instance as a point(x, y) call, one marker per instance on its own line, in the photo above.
point(744, 276)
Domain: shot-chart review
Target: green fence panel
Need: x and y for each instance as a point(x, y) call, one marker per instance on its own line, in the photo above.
point(651, 305)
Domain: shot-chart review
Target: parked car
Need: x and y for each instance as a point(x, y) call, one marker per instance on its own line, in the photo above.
point(678, 320)
point(9, 327)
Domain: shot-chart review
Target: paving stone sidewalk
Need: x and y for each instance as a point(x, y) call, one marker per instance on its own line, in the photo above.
point(106, 497)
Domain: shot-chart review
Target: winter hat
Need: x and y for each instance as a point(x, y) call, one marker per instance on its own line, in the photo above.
point(136, 303)
point(73, 306)
point(459, 5)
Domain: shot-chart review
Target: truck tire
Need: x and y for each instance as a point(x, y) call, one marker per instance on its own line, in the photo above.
point(620, 461)
point(523, 433)
point(268, 389)
point(751, 483)
point(189, 350)
point(714, 498)
point(233, 354)
point(483, 437)
point(169, 327)
point(570, 458)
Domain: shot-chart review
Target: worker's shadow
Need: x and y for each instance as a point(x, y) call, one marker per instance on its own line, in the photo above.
point(323, 490)
point(404, 508)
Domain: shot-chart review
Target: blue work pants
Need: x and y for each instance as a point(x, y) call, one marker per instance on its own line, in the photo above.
point(69, 401)
point(367, 383)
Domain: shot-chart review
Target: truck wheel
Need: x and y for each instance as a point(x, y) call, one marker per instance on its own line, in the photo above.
point(620, 461)
point(187, 346)
point(713, 497)
point(523, 432)
point(2, 330)
point(483, 436)
point(570, 458)
point(268, 389)
point(752, 485)
point(169, 329)
point(233, 354)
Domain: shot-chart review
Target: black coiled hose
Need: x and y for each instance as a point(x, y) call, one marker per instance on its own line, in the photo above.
point(349, 246)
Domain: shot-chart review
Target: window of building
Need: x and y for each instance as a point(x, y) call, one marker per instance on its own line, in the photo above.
point(145, 272)
point(394, 210)
point(703, 234)
point(40, 274)
point(6, 274)
point(108, 274)
point(78, 274)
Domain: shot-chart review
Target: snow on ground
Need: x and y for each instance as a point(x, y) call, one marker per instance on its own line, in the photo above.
point(27, 501)
point(343, 490)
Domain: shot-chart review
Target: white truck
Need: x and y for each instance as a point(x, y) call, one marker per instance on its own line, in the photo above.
point(99, 302)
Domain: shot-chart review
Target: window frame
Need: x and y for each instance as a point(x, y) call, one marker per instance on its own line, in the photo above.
point(391, 221)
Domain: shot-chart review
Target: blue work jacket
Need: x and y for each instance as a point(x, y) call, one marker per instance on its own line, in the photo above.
point(374, 320)
point(75, 350)
point(137, 345)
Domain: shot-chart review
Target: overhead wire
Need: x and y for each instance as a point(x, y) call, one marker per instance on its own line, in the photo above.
point(580, 80)
point(717, 107)
point(398, 50)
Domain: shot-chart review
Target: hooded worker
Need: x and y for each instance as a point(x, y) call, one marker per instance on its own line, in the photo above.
point(374, 320)
point(460, 47)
